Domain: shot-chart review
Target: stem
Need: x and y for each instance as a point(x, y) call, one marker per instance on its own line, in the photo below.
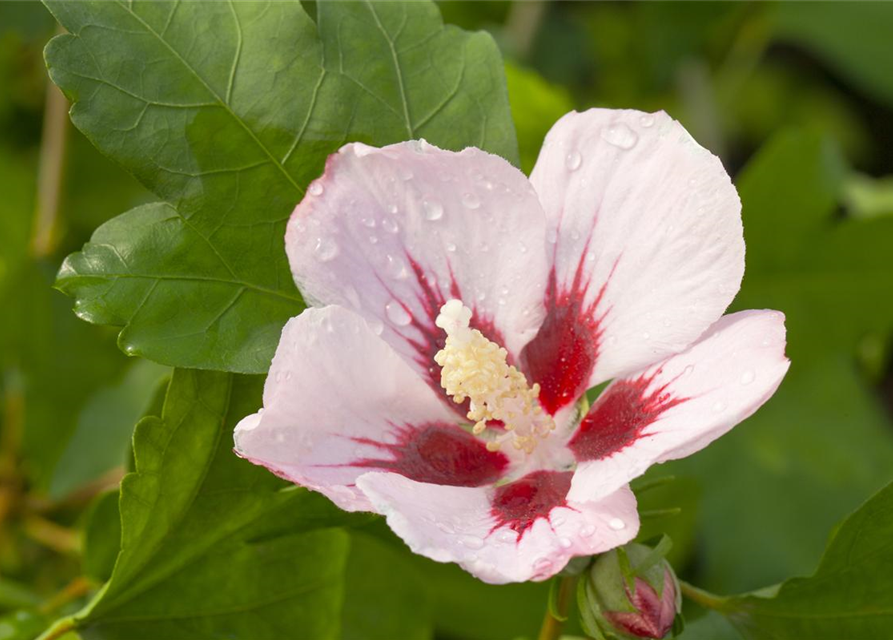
point(73, 590)
point(49, 177)
point(523, 23)
point(59, 629)
point(551, 629)
point(704, 598)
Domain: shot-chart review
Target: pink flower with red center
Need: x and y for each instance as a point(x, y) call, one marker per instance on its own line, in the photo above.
point(460, 312)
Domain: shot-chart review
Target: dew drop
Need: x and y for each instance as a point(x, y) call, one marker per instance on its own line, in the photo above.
point(747, 377)
point(390, 226)
point(397, 314)
point(326, 249)
point(719, 406)
point(471, 542)
point(647, 120)
point(315, 189)
point(590, 257)
point(433, 210)
point(522, 247)
point(393, 209)
point(451, 247)
point(689, 369)
point(446, 528)
point(377, 328)
point(617, 524)
point(396, 268)
point(373, 239)
point(508, 535)
point(587, 530)
point(542, 564)
point(368, 222)
point(646, 335)
point(552, 236)
point(620, 136)
point(405, 173)
point(470, 200)
point(573, 160)
point(565, 543)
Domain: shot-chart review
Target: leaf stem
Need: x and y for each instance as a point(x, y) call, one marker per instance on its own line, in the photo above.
point(50, 171)
point(704, 598)
point(552, 626)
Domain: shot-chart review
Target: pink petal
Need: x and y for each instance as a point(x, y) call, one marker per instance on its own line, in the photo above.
point(679, 406)
point(339, 402)
point(393, 233)
point(648, 249)
point(502, 534)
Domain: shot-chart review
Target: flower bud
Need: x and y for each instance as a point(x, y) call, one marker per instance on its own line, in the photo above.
point(631, 593)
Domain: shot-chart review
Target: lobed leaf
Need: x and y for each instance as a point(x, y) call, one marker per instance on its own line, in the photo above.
point(226, 111)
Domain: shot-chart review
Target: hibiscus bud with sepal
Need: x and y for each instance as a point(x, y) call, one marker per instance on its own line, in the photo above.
point(632, 593)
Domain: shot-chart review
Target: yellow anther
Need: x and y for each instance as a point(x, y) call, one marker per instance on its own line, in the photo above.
point(476, 368)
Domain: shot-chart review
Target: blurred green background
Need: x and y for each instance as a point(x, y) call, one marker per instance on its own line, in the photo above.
point(797, 100)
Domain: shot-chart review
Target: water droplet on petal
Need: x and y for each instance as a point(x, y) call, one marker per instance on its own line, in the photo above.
point(405, 173)
point(393, 209)
point(565, 543)
point(617, 524)
point(397, 314)
point(573, 160)
point(688, 369)
point(522, 247)
point(647, 120)
point(390, 226)
point(451, 247)
point(446, 528)
point(620, 136)
point(748, 376)
point(315, 189)
point(373, 239)
point(471, 542)
point(590, 257)
point(326, 249)
point(433, 210)
point(552, 236)
point(396, 268)
point(368, 222)
point(542, 564)
point(470, 200)
point(719, 406)
point(377, 327)
point(587, 530)
point(646, 335)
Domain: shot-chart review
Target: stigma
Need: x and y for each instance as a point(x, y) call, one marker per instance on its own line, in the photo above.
point(476, 369)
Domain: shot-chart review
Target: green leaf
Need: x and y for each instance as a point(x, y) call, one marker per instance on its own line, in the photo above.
point(211, 545)
point(385, 596)
point(847, 597)
point(227, 111)
point(536, 106)
point(102, 537)
point(852, 37)
point(102, 435)
point(823, 442)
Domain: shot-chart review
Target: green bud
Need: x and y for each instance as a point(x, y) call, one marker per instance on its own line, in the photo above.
point(631, 593)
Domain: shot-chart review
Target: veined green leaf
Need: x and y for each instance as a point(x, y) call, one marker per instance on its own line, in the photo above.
point(227, 111)
point(847, 597)
point(211, 545)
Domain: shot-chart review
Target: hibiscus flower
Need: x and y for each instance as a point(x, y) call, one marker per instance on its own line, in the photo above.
point(460, 312)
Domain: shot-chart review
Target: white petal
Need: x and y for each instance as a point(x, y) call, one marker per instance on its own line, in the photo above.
point(395, 232)
point(680, 406)
point(648, 247)
point(458, 524)
point(339, 401)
